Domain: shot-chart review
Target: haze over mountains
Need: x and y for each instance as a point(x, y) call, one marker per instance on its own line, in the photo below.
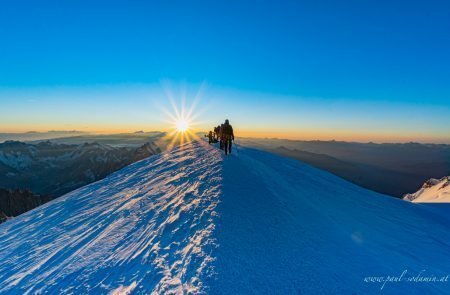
point(33, 135)
point(134, 139)
point(393, 169)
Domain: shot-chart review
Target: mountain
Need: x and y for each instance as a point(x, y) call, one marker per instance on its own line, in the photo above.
point(131, 140)
point(50, 168)
point(33, 135)
point(16, 202)
point(389, 168)
point(433, 191)
point(379, 179)
point(47, 170)
point(194, 221)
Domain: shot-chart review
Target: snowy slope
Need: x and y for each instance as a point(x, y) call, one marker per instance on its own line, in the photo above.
point(193, 221)
point(146, 227)
point(433, 191)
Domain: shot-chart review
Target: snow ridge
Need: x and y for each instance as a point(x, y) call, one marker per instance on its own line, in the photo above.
point(145, 228)
point(433, 191)
point(193, 221)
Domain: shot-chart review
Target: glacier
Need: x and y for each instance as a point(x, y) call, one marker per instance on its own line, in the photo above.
point(193, 221)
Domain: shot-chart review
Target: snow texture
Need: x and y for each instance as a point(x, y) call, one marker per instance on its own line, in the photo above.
point(193, 221)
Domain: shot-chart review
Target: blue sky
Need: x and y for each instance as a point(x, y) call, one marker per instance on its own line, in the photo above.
point(344, 69)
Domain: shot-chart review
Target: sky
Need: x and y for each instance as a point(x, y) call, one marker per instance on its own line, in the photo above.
point(345, 70)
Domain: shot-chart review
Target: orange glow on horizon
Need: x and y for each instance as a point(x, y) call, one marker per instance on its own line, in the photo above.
point(293, 134)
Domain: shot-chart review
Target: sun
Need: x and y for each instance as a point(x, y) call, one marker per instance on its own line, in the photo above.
point(182, 119)
point(182, 125)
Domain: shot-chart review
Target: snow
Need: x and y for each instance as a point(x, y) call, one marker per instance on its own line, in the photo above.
point(195, 221)
point(15, 160)
point(150, 223)
point(433, 191)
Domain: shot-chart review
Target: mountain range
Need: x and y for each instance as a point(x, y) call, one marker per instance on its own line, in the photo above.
point(32, 174)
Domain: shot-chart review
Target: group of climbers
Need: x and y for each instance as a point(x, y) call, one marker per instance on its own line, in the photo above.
point(223, 134)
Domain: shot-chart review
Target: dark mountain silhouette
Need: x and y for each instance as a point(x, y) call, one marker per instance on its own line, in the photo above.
point(16, 202)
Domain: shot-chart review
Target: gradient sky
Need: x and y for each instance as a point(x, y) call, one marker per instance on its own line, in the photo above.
point(346, 70)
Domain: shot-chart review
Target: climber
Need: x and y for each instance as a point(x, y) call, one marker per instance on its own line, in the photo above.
point(210, 137)
point(227, 136)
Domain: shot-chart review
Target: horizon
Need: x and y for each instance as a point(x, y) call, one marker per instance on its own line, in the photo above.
point(128, 132)
point(356, 72)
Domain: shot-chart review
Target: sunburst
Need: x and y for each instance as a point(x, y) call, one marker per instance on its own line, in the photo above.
point(181, 119)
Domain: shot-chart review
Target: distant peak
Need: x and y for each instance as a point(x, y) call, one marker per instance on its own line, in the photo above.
point(432, 191)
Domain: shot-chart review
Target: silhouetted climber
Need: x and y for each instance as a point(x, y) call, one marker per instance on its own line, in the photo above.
point(216, 132)
point(210, 137)
point(221, 138)
point(227, 136)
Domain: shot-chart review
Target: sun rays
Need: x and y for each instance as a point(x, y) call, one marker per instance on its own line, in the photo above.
point(182, 120)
